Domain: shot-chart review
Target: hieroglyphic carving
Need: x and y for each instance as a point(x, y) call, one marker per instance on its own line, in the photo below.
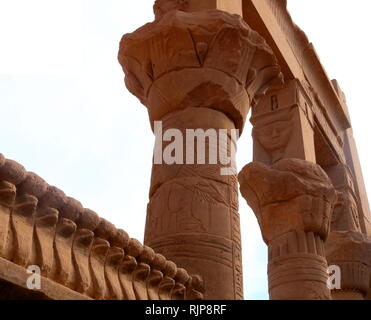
point(293, 201)
point(237, 255)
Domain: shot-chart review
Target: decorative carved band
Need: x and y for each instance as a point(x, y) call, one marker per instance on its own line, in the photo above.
point(41, 226)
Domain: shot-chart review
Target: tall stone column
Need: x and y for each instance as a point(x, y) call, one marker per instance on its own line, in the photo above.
point(200, 70)
point(293, 200)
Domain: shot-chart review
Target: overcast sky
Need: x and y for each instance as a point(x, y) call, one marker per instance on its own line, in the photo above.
point(66, 115)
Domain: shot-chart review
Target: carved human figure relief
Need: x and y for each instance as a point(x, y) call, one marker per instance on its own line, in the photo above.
point(274, 134)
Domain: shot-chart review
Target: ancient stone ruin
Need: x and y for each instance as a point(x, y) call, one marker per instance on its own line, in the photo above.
point(203, 65)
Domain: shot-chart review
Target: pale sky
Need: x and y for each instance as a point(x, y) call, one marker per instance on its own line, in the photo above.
point(66, 115)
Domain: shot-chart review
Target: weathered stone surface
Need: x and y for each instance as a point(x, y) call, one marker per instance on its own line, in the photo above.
point(290, 195)
point(22, 222)
point(45, 227)
point(7, 197)
point(293, 201)
point(63, 242)
point(174, 63)
point(33, 185)
point(283, 125)
point(201, 69)
point(53, 198)
point(2, 160)
point(351, 251)
point(88, 220)
point(73, 246)
point(71, 210)
point(12, 172)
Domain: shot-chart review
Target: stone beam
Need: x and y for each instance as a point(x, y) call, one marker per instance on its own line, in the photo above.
point(261, 17)
point(296, 55)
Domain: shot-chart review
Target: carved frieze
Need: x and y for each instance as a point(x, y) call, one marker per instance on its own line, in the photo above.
point(41, 226)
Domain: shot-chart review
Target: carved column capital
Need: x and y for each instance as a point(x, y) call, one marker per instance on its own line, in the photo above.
point(291, 195)
point(351, 251)
point(206, 59)
point(292, 200)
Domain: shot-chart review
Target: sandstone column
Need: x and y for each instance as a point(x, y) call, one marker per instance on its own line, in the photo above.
point(293, 201)
point(199, 70)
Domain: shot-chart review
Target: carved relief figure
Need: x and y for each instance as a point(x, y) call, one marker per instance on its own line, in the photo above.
point(274, 134)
